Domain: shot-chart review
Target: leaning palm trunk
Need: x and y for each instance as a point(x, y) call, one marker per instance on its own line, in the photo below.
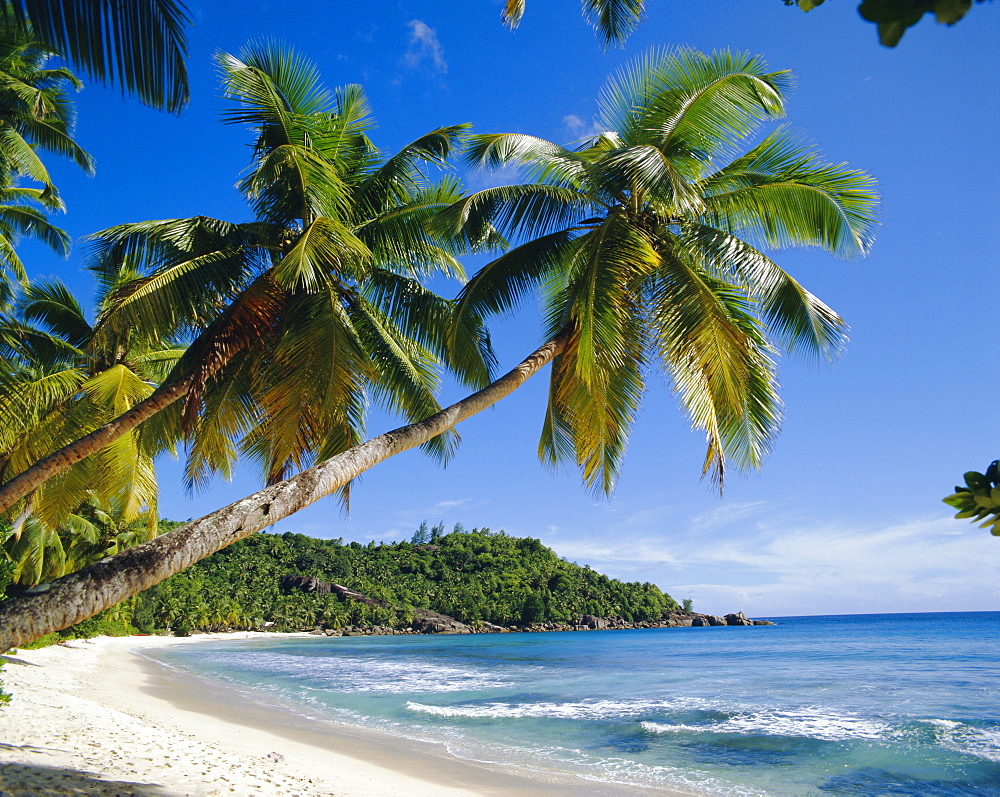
point(43, 470)
point(220, 346)
point(71, 599)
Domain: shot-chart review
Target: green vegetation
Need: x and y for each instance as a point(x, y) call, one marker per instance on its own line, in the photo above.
point(139, 45)
point(655, 245)
point(980, 498)
point(477, 576)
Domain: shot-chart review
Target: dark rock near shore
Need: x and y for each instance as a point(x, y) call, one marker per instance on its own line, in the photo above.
point(738, 619)
point(428, 622)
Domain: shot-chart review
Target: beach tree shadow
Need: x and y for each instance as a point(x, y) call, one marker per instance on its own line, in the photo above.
point(31, 779)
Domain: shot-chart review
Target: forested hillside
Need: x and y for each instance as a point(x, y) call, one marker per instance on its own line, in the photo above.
point(478, 576)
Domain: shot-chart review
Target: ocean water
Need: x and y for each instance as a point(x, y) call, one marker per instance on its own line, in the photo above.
point(898, 704)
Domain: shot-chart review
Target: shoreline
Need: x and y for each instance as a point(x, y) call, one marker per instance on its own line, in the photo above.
point(98, 717)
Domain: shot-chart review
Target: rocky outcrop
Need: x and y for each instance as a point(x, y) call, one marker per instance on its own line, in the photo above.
point(738, 619)
point(424, 620)
point(304, 584)
point(428, 622)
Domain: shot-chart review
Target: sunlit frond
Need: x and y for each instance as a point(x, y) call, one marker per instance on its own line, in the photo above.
point(325, 247)
point(786, 196)
point(544, 161)
point(799, 320)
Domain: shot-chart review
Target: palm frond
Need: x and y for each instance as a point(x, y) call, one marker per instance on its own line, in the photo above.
point(500, 286)
point(787, 197)
point(513, 210)
point(51, 303)
point(408, 376)
point(614, 20)
point(546, 162)
point(800, 320)
point(424, 317)
point(140, 44)
point(327, 246)
point(690, 104)
point(708, 340)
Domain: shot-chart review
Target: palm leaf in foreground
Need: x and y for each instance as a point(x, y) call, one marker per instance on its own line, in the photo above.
point(647, 245)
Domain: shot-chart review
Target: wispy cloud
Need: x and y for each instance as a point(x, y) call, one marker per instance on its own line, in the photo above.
point(579, 128)
point(436, 511)
point(425, 46)
point(573, 123)
point(728, 513)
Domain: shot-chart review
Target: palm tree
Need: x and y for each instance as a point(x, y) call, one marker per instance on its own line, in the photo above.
point(35, 115)
point(55, 384)
point(615, 20)
point(139, 44)
point(42, 551)
point(645, 240)
point(636, 239)
point(305, 313)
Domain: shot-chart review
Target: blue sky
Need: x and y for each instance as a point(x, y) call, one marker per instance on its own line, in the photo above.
point(846, 515)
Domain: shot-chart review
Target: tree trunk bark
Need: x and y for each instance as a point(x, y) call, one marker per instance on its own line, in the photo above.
point(47, 467)
point(73, 598)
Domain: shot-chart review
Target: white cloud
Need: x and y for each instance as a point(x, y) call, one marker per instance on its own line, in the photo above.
point(425, 46)
point(580, 128)
point(452, 504)
point(728, 513)
point(759, 559)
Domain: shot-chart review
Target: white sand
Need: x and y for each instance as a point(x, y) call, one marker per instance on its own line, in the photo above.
point(90, 717)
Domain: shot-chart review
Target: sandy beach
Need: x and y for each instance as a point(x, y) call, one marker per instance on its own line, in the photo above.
point(94, 717)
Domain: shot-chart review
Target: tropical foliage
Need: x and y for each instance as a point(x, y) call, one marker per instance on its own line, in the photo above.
point(979, 499)
point(40, 552)
point(476, 576)
point(36, 116)
point(647, 243)
point(139, 45)
point(647, 240)
point(59, 379)
point(303, 316)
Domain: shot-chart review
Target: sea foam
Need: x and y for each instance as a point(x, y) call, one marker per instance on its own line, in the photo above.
point(807, 723)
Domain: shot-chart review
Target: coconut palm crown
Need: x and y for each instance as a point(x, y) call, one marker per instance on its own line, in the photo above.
point(302, 316)
point(613, 20)
point(647, 240)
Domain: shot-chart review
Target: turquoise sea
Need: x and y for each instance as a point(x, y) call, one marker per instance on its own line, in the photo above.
point(882, 704)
